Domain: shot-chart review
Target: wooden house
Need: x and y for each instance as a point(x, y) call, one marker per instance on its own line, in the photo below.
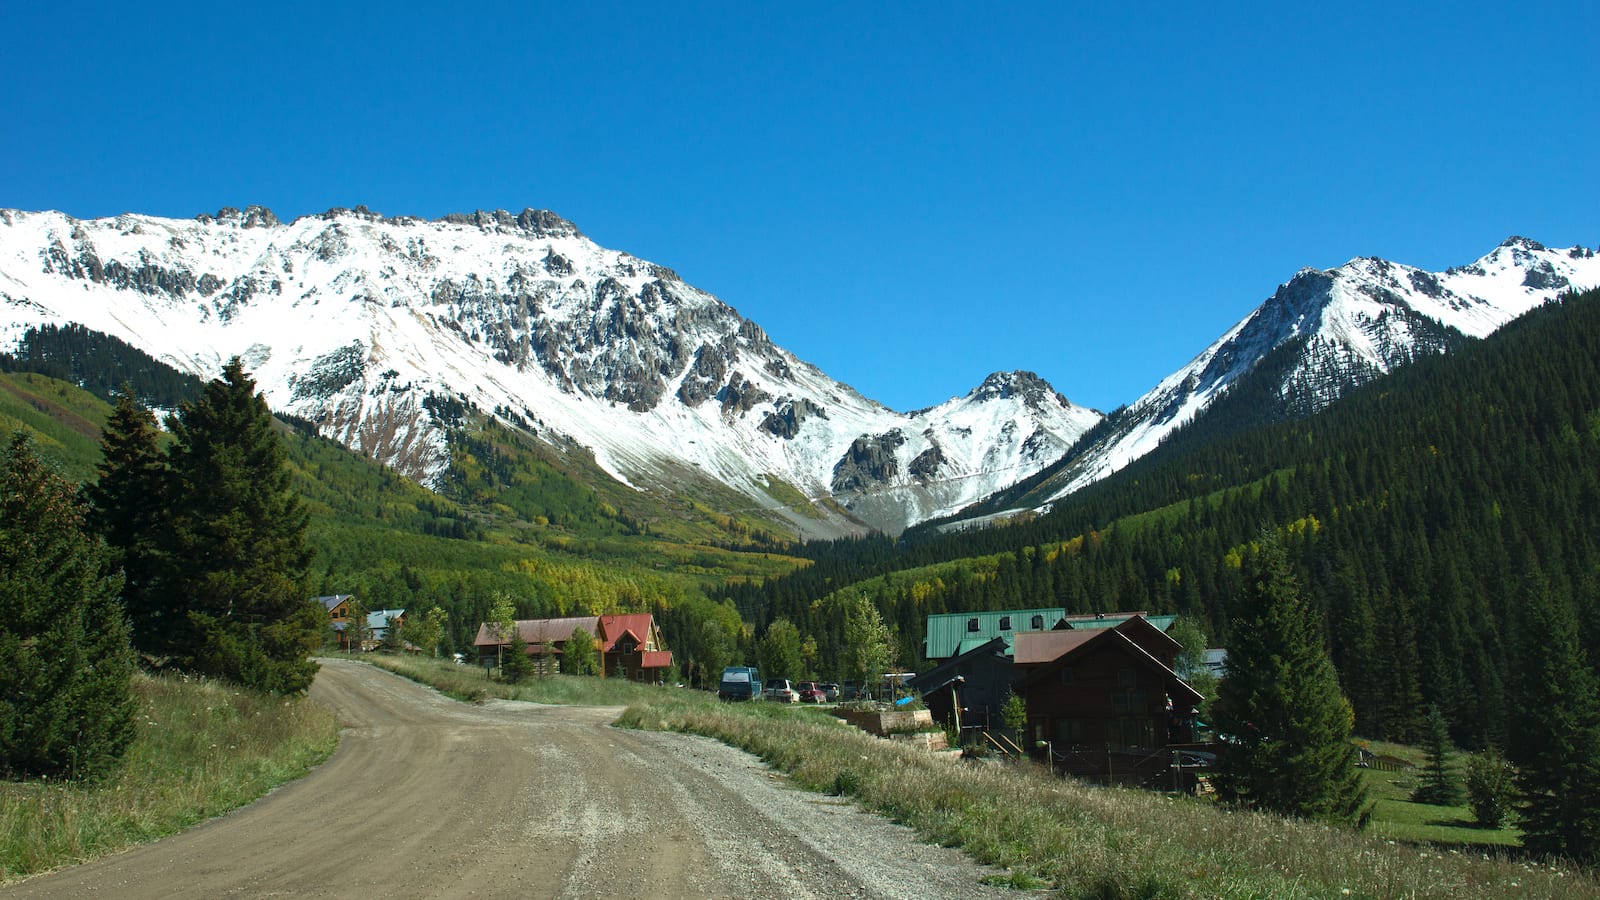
point(981, 648)
point(628, 646)
point(1105, 702)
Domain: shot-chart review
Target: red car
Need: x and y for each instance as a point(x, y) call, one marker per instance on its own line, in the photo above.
point(811, 692)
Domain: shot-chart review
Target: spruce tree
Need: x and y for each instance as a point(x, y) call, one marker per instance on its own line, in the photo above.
point(518, 664)
point(238, 542)
point(126, 505)
point(66, 707)
point(1440, 784)
point(1287, 745)
point(1555, 738)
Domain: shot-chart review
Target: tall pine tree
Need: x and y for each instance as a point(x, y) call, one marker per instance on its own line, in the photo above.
point(1555, 738)
point(66, 708)
point(126, 506)
point(238, 537)
point(1288, 747)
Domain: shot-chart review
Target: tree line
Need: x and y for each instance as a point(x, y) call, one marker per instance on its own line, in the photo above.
point(189, 553)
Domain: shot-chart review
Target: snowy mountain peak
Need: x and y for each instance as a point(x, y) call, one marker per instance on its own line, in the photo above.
point(1352, 324)
point(370, 325)
point(1019, 383)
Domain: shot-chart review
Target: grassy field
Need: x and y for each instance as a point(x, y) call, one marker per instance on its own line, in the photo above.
point(1395, 816)
point(201, 750)
point(1078, 840)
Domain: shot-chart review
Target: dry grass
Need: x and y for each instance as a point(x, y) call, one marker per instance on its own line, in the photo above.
point(1081, 840)
point(1102, 842)
point(201, 750)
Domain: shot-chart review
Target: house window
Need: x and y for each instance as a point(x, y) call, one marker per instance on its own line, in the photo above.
point(1130, 731)
point(1005, 623)
point(1127, 677)
point(1038, 623)
point(972, 624)
point(1069, 731)
point(1066, 674)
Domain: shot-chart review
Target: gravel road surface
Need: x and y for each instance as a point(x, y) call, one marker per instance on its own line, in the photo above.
point(428, 797)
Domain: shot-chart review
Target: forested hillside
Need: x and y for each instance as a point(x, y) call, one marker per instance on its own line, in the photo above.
point(512, 524)
point(1420, 512)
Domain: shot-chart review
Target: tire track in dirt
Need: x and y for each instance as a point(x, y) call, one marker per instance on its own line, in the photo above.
point(428, 797)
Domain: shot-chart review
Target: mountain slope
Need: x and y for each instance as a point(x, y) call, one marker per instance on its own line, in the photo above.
point(370, 327)
point(1332, 330)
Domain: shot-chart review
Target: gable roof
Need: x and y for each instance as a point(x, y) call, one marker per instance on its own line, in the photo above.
point(1036, 647)
point(945, 670)
point(538, 631)
point(332, 600)
point(1115, 641)
point(612, 628)
point(378, 619)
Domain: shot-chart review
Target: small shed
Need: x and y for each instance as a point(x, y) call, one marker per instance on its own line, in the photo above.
point(987, 672)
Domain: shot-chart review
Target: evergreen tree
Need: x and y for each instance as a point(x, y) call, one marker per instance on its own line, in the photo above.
point(66, 707)
point(1440, 786)
point(518, 664)
point(1288, 747)
point(578, 656)
point(238, 541)
point(1555, 741)
point(392, 641)
point(127, 502)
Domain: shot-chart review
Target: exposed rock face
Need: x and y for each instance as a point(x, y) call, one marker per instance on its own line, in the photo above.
point(1035, 391)
point(790, 414)
point(870, 461)
point(925, 467)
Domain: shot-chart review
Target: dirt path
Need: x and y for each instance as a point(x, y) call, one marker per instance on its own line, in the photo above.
point(427, 797)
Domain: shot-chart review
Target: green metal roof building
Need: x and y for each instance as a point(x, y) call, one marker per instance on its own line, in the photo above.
point(952, 634)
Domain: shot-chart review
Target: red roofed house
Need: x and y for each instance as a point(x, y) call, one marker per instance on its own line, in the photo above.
point(630, 646)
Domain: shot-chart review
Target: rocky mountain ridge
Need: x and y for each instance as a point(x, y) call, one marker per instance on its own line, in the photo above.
point(372, 327)
point(1349, 325)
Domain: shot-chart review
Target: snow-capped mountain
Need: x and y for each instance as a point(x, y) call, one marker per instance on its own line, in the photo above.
point(1357, 322)
point(365, 325)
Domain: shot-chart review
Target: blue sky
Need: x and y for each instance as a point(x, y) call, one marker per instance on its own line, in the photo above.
point(910, 196)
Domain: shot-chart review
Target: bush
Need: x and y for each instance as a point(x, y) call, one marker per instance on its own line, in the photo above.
point(1489, 788)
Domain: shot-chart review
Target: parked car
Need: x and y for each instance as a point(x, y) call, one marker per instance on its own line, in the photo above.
point(740, 683)
point(851, 691)
point(811, 692)
point(830, 691)
point(781, 690)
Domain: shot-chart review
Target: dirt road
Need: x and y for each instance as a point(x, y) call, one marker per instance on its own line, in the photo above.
point(428, 797)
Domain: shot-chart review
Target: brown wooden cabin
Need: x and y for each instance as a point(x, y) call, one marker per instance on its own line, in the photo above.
point(1106, 703)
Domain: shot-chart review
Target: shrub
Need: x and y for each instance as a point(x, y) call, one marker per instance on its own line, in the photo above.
point(1489, 788)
